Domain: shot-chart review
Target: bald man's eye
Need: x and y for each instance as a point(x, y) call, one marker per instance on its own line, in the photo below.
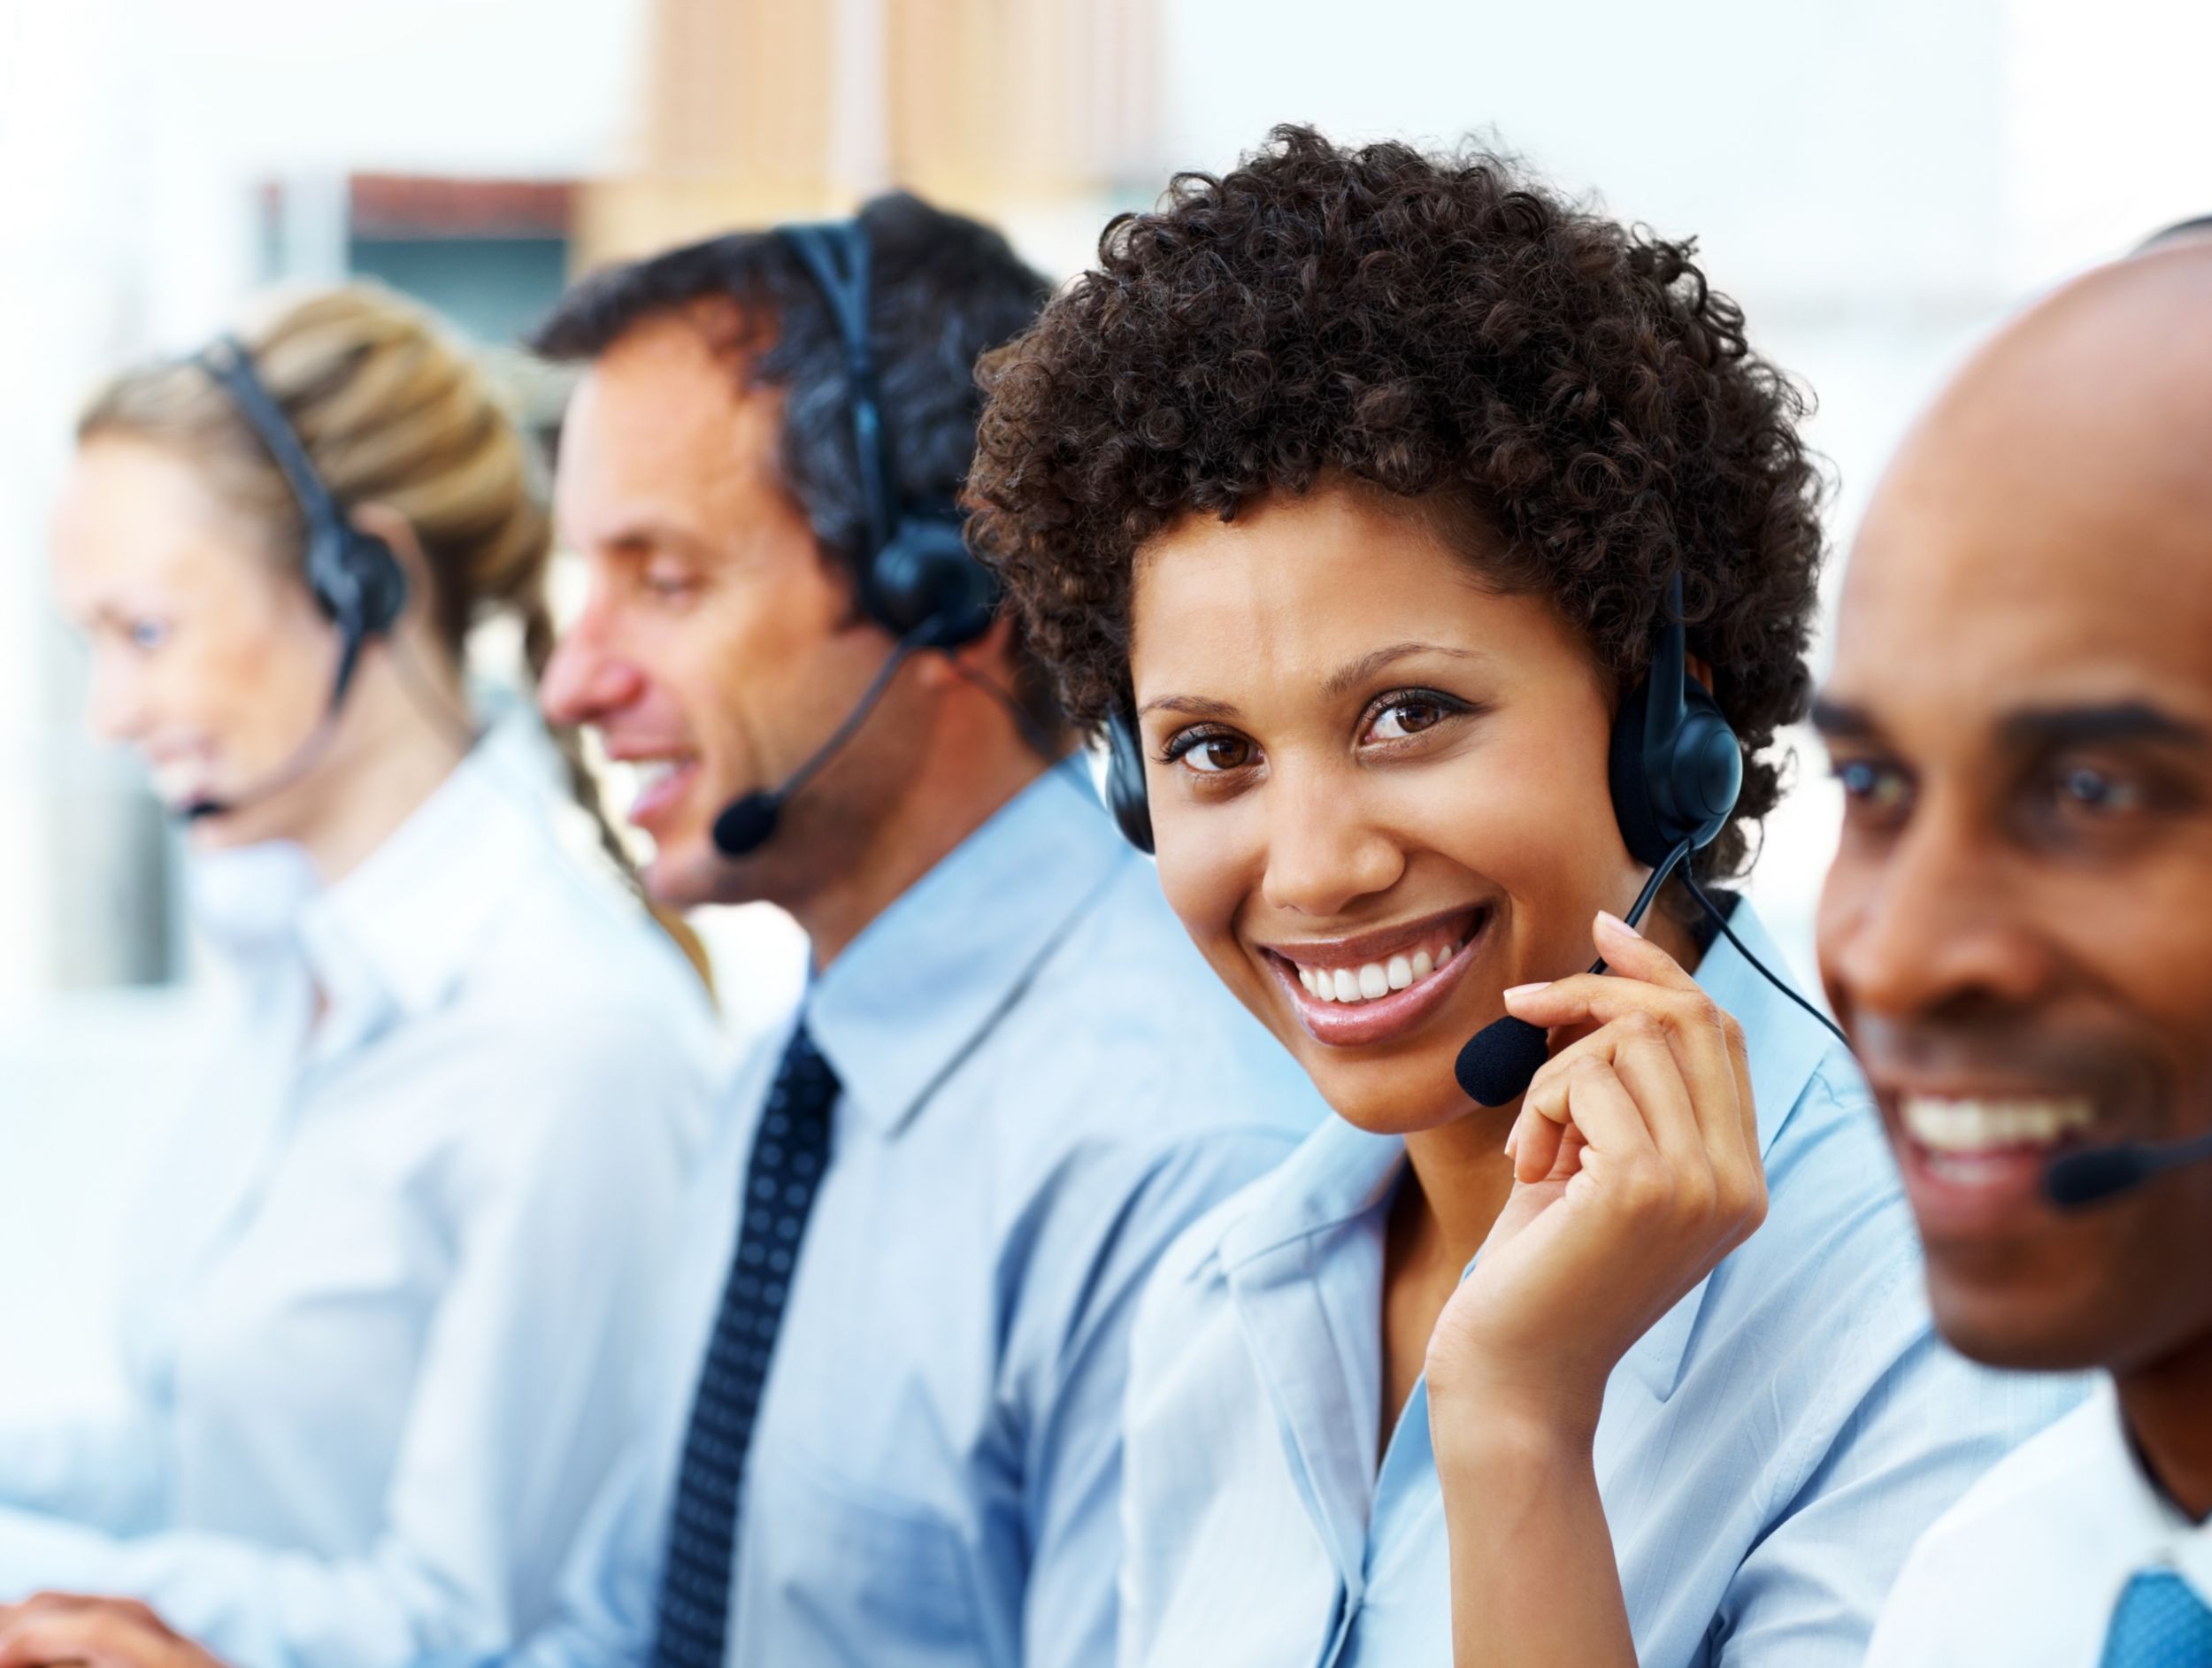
point(1872, 788)
point(2086, 790)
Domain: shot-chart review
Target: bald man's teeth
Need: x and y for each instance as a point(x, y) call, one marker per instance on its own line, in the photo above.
point(1969, 1127)
point(1374, 978)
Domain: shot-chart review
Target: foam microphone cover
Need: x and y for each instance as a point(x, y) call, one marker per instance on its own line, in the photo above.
point(745, 823)
point(1501, 1060)
point(2084, 1178)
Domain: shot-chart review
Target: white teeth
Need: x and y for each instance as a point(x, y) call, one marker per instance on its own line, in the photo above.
point(1374, 978)
point(1977, 1126)
point(651, 772)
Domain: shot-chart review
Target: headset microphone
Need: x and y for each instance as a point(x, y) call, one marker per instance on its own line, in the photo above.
point(1498, 1063)
point(1674, 769)
point(746, 824)
point(355, 578)
point(2082, 1179)
point(917, 581)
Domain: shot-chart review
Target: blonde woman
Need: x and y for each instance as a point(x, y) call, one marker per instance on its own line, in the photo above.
point(381, 1301)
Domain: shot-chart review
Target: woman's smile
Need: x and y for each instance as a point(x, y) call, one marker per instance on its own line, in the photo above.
point(1378, 986)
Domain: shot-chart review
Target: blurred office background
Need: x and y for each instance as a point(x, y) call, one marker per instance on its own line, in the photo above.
point(1876, 180)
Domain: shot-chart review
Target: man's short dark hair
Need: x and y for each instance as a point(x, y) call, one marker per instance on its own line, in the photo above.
point(944, 290)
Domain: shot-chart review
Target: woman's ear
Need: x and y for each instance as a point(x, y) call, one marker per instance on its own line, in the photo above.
point(381, 521)
point(1700, 668)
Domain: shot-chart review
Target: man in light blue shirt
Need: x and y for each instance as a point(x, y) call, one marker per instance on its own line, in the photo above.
point(883, 1426)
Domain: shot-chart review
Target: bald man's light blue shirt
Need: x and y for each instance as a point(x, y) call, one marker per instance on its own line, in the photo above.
point(1766, 1453)
point(1042, 1084)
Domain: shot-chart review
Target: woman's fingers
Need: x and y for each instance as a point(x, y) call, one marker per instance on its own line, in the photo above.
point(1681, 1059)
point(1708, 1041)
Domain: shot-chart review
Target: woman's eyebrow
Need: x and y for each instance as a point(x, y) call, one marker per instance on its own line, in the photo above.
point(1198, 706)
point(1345, 679)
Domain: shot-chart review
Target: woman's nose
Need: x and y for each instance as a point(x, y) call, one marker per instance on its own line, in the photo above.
point(1324, 852)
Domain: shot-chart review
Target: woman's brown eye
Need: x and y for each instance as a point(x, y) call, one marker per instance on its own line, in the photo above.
point(1406, 718)
point(1214, 753)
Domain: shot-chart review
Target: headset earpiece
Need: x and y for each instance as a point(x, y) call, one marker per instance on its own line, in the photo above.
point(356, 576)
point(1126, 794)
point(1674, 764)
point(925, 583)
point(918, 581)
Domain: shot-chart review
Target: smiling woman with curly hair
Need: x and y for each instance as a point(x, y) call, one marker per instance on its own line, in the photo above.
point(1352, 493)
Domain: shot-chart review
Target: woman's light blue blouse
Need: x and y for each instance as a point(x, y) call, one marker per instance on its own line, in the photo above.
point(385, 1297)
point(1766, 1453)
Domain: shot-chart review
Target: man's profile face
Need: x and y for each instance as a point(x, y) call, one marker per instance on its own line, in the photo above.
point(717, 647)
point(2017, 930)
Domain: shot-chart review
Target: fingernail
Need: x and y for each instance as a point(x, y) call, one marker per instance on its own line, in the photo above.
point(1612, 922)
point(1513, 991)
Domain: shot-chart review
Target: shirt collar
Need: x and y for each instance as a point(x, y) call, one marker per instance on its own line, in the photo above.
point(930, 976)
point(2153, 1530)
point(1342, 1173)
point(402, 928)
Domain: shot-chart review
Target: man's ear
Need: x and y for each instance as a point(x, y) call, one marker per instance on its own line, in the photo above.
point(990, 656)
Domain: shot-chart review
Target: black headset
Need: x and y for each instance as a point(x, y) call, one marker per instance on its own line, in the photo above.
point(356, 579)
point(916, 579)
point(1674, 765)
point(354, 576)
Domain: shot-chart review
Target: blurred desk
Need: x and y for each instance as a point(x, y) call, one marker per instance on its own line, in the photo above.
point(87, 1084)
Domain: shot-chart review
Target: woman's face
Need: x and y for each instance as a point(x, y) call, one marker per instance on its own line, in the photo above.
point(1379, 789)
point(207, 657)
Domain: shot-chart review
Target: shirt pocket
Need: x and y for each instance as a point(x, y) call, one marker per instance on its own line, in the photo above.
point(839, 1572)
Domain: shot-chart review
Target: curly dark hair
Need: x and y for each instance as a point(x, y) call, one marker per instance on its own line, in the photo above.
point(1437, 326)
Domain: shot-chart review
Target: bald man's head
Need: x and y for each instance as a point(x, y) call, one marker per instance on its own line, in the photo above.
point(2017, 929)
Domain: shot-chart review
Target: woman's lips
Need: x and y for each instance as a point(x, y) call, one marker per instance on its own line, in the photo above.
point(1352, 1024)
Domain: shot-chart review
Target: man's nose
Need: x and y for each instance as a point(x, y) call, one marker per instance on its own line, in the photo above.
point(1931, 921)
point(587, 677)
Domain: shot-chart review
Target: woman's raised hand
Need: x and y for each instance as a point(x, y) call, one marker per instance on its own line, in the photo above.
point(1636, 1168)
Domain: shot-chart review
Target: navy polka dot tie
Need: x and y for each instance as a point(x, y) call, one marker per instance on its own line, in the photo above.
point(2159, 1622)
point(790, 1151)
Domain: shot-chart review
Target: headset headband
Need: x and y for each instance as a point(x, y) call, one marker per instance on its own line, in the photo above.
point(227, 360)
point(836, 253)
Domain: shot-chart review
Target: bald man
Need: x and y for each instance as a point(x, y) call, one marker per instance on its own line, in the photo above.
point(2017, 933)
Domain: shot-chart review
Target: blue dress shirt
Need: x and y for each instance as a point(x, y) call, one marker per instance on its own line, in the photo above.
point(1043, 1084)
point(1766, 1453)
point(380, 1301)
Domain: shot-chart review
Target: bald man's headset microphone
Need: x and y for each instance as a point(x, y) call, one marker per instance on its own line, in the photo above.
point(1675, 768)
